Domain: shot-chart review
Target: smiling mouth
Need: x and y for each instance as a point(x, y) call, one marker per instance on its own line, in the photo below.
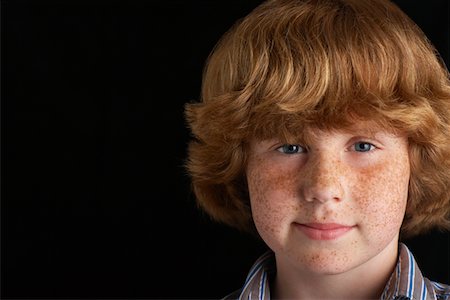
point(323, 231)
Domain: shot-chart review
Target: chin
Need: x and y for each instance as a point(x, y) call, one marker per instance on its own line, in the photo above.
point(325, 262)
point(328, 269)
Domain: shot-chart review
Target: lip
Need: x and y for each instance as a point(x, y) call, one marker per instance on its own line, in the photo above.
point(323, 231)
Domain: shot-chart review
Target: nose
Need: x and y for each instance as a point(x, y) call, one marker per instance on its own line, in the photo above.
point(323, 179)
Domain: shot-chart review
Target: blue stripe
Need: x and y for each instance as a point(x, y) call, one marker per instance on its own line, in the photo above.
point(262, 289)
point(247, 283)
point(257, 265)
point(438, 286)
point(411, 276)
point(424, 290)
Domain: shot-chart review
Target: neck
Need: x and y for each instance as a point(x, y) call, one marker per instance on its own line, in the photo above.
point(366, 281)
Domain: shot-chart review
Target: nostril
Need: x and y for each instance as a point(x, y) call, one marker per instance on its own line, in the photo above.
point(323, 198)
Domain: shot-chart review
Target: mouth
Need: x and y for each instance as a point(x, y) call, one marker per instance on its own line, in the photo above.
point(323, 231)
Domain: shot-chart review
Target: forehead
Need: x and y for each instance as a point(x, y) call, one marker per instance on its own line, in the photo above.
point(365, 128)
point(305, 132)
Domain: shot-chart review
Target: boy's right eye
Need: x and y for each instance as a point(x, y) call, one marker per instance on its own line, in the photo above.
point(291, 149)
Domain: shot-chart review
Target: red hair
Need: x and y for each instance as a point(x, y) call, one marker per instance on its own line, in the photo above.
point(322, 63)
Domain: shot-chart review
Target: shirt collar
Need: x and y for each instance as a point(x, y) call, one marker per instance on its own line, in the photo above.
point(256, 285)
point(406, 282)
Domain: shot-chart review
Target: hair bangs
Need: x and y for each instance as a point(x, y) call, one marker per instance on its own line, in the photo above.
point(330, 68)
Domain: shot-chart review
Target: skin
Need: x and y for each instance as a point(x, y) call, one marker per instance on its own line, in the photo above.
point(331, 179)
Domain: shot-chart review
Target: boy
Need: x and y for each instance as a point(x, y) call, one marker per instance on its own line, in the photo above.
point(323, 128)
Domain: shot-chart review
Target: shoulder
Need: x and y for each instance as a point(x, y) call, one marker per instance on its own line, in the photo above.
point(408, 282)
point(257, 282)
point(234, 295)
point(442, 291)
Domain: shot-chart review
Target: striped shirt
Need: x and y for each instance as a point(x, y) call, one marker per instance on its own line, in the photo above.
point(406, 282)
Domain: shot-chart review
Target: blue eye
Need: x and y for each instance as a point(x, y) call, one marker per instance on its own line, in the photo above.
point(363, 147)
point(291, 149)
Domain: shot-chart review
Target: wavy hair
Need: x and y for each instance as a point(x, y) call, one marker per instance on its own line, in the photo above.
point(321, 63)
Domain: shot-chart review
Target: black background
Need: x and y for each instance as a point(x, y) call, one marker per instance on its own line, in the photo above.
point(95, 200)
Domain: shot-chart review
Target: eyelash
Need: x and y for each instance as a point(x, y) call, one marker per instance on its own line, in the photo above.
point(301, 149)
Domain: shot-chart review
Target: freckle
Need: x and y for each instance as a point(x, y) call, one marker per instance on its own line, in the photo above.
point(344, 259)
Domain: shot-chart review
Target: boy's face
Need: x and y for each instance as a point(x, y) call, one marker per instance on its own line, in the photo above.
point(333, 204)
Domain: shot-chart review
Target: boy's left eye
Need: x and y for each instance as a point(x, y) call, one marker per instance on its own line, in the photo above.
point(363, 147)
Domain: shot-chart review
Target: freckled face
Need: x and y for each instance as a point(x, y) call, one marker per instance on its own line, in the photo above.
point(352, 180)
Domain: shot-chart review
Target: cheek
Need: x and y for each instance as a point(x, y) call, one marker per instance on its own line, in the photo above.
point(381, 194)
point(272, 197)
